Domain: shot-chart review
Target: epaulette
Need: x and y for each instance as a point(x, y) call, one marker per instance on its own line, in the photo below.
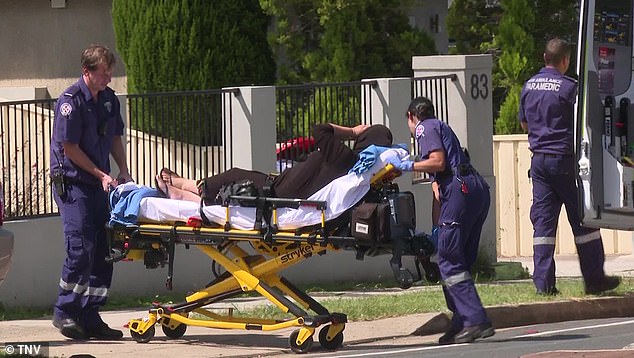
point(72, 91)
point(571, 79)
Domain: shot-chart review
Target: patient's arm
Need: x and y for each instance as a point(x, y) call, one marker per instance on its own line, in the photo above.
point(352, 132)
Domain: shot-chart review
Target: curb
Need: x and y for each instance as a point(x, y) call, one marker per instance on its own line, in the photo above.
point(544, 312)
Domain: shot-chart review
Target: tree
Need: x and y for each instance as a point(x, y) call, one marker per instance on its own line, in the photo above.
point(192, 44)
point(472, 25)
point(345, 40)
point(513, 63)
point(516, 45)
point(508, 122)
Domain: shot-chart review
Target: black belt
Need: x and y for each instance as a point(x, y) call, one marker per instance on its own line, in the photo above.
point(461, 170)
point(553, 155)
point(74, 181)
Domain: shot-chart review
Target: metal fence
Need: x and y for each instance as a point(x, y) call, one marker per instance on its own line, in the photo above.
point(435, 88)
point(184, 131)
point(300, 107)
point(25, 134)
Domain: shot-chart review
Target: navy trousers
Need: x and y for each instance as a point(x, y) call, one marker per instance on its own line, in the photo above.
point(554, 184)
point(86, 277)
point(462, 216)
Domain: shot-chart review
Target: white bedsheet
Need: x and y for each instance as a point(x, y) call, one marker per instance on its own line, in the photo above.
point(340, 194)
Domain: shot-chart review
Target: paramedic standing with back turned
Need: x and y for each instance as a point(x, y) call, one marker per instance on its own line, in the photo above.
point(464, 205)
point(546, 112)
point(87, 129)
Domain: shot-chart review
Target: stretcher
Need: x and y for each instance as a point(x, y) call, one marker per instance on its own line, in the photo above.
point(254, 252)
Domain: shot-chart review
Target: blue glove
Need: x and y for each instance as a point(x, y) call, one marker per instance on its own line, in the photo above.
point(434, 236)
point(404, 166)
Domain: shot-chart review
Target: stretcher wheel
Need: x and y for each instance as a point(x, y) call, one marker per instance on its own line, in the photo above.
point(336, 342)
point(432, 272)
point(145, 337)
point(304, 347)
point(175, 333)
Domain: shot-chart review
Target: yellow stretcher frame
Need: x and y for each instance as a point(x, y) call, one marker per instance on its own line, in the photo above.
point(244, 273)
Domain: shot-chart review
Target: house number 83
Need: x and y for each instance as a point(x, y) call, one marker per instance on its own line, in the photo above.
point(479, 86)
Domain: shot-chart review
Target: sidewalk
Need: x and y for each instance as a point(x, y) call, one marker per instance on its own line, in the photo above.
point(568, 266)
point(207, 342)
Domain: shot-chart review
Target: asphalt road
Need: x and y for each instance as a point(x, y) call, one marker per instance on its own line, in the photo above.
point(600, 334)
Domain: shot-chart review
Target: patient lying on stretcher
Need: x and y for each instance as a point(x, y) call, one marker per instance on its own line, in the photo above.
point(332, 159)
point(340, 195)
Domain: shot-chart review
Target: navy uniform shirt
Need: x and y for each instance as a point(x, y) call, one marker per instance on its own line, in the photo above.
point(546, 104)
point(432, 135)
point(91, 123)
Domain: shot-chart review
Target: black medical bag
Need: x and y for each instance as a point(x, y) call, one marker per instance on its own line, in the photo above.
point(402, 214)
point(371, 221)
point(392, 216)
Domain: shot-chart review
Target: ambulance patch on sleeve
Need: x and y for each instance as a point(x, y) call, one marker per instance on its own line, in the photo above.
point(65, 109)
point(420, 131)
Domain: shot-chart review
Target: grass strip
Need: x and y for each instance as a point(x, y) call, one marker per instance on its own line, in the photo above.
point(366, 301)
point(431, 299)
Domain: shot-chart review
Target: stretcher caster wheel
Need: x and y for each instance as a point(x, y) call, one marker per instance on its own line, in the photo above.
point(334, 343)
point(176, 332)
point(432, 272)
point(145, 337)
point(404, 279)
point(304, 347)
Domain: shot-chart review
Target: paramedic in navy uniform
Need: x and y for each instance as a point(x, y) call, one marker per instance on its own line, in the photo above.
point(464, 205)
point(87, 129)
point(546, 112)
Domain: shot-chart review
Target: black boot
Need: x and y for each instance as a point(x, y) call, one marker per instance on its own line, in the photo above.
point(609, 283)
point(69, 328)
point(449, 336)
point(470, 334)
point(103, 332)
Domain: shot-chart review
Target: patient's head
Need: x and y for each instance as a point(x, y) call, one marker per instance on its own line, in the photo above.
point(377, 134)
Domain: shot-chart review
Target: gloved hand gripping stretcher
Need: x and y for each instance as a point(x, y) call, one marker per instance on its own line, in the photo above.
point(361, 212)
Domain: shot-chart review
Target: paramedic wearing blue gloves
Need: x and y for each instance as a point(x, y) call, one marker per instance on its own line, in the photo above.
point(86, 130)
point(546, 112)
point(464, 205)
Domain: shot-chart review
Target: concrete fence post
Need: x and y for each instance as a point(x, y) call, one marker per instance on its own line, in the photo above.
point(251, 134)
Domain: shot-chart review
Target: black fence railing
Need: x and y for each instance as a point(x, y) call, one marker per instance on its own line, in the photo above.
point(435, 88)
point(300, 107)
point(184, 131)
point(25, 135)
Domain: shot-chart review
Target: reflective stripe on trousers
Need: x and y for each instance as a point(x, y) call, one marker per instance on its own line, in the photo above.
point(457, 278)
